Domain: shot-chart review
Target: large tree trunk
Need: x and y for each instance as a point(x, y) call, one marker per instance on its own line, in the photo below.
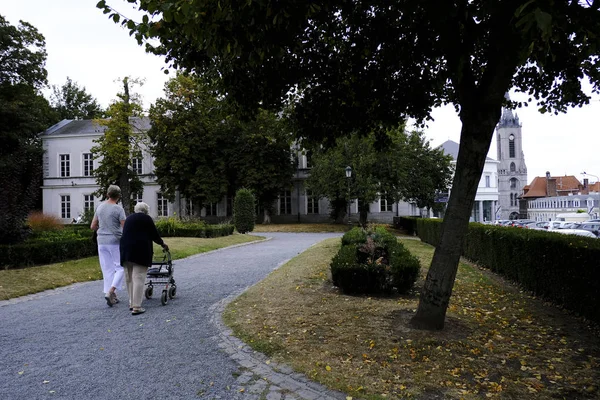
point(125, 192)
point(476, 136)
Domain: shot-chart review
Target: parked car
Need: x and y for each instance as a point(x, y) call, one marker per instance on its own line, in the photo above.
point(521, 223)
point(540, 225)
point(553, 225)
point(593, 227)
point(578, 232)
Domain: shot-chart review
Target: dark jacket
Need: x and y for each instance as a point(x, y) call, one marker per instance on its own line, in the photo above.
point(139, 232)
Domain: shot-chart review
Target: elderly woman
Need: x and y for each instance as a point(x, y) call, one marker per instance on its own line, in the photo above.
point(108, 222)
point(136, 253)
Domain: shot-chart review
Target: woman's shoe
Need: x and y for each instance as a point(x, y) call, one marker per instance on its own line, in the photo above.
point(113, 297)
point(138, 311)
point(108, 300)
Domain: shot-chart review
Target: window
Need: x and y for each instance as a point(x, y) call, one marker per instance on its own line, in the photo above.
point(88, 202)
point(487, 181)
point(137, 198)
point(65, 206)
point(309, 159)
point(513, 167)
point(88, 164)
point(285, 202)
point(162, 205)
point(211, 209)
point(513, 183)
point(65, 165)
point(511, 146)
point(136, 166)
point(312, 203)
point(385, 204)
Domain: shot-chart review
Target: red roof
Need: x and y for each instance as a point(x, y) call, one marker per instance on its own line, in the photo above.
point(564, 185)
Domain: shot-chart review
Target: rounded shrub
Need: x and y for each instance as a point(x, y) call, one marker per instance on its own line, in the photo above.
point(243, 211)
point(404, 268)
point(355, 235)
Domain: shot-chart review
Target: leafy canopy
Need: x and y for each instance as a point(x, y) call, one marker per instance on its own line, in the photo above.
point(204, 150)
point(73, 102)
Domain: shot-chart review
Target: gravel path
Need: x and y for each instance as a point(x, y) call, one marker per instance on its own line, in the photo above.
point(67, 343)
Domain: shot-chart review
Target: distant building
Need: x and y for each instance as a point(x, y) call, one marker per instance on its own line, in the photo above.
point(551, 195)
point(512, 171)
point(486, 198)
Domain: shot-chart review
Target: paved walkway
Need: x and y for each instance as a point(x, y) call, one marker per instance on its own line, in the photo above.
point(66, 343)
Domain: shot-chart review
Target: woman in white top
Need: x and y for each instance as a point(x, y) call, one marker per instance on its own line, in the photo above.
point(108, 221)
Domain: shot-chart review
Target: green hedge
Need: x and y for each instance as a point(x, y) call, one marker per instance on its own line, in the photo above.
point(373, 263)
point(560, 268)
point(41, 251)
point(206, 231)
point(407, 224)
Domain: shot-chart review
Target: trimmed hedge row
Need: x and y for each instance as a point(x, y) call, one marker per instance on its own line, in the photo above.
point(373, 263)
point(46, 252)
point(557, 267)
point(407, 224)
point(207, 231)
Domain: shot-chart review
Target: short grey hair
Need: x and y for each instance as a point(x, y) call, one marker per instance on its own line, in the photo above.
point(141, 207)
point(113, 192)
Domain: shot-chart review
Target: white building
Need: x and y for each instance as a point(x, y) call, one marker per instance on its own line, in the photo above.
point(69, 186)
point(486, 198)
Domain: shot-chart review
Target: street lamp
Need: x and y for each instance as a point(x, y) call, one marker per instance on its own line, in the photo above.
point(598, 183)
point(348, 176)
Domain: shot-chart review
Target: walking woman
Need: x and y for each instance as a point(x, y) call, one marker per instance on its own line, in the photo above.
point(108, 222)
point(139, 232)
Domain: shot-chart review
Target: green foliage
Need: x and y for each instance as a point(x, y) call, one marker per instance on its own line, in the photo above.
point(118, 145)
point(48, 247)
point(355, 235)
point(401, 165)
point(555, 266)
point(373, 262)
point(243, 211)
point(174, 227)
point(24, 114)
point(73, 102)
point(204, 149)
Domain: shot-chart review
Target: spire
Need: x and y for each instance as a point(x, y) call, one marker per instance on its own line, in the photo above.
point(508, 119)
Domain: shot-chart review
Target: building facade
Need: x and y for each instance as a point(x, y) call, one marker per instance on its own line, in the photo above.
point(512, 171)
point(486, 198)
point(69, 187)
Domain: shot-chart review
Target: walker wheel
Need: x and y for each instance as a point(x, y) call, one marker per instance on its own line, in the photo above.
point(164, 298)
point(148, 292)
point(172, 292)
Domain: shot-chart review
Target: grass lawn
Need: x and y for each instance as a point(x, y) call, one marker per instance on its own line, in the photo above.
point(498, 342)
point(20, 282)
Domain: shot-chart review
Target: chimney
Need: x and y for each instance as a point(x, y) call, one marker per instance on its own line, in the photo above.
point(585, 182)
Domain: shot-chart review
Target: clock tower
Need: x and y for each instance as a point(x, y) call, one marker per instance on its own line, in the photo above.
point(512, 171)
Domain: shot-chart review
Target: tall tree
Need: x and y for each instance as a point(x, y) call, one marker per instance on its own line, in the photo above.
point(366, 63)
point(73, 102)
point(204, 150)
point(24, 114)
point(120, 143)
point(405, 169)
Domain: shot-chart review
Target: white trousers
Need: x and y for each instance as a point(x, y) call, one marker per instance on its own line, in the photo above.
point(110, 262)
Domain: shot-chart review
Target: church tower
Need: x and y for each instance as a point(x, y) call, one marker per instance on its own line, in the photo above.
point(512, 172)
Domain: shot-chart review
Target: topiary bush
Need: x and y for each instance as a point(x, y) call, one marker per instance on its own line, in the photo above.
point(244, 215)
point(373, 262)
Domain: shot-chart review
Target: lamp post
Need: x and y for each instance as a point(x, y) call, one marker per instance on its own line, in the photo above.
point(598, 182)
point(348, 176)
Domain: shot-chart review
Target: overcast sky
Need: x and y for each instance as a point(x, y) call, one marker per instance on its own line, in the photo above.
point(83, 44)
